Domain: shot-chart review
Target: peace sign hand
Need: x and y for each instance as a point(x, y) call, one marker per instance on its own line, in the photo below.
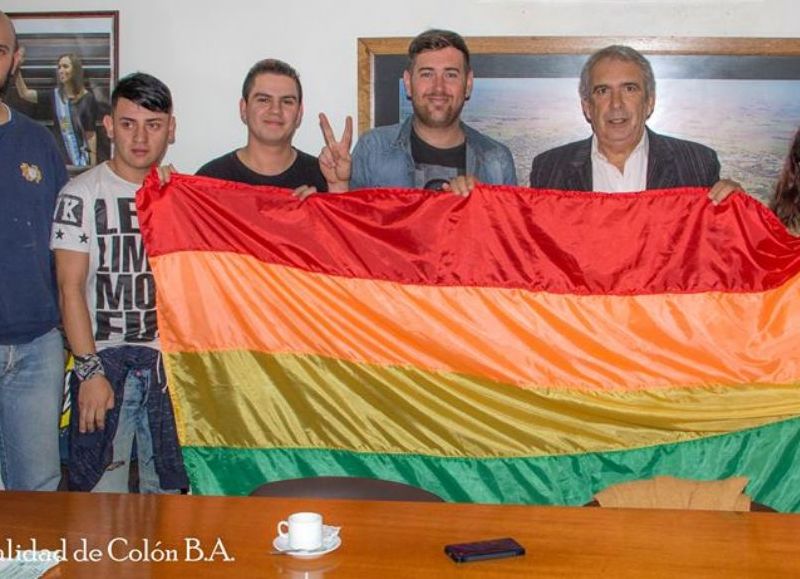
point(334, 159)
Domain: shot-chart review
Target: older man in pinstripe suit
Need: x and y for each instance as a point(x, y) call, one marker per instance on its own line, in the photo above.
point(617, 90)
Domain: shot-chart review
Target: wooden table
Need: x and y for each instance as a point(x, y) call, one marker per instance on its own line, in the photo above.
point(385, 539)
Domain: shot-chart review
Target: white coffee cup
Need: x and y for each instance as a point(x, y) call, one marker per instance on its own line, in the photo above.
point(302, 530)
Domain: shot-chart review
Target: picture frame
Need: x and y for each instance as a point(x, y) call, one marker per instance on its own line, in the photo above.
point(736, 95)
point(69, 68)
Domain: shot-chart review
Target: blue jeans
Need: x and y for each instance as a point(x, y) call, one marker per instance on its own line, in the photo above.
point(133, 423)
point(31, 387)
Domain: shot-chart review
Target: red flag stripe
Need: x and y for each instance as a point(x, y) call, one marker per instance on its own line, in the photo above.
point(653, 242)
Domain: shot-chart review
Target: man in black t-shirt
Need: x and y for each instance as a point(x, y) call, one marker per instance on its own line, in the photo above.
point(272, 108)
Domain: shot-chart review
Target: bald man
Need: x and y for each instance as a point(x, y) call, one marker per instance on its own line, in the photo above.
point(31, 349)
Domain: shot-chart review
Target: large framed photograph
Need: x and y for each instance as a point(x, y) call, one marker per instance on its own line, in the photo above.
point(736, 95)
point(69, 67)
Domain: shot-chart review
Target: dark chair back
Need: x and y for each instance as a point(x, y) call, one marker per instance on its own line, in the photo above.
point(346, 487)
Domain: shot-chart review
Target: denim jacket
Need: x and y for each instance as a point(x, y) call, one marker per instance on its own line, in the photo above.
point(91, 452)
point(382, 158)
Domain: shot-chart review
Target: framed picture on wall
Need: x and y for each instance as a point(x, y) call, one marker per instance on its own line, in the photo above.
point(69, 67)
point(736, 95)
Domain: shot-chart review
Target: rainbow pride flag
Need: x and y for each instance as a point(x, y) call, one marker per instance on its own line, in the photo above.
point(515, 346)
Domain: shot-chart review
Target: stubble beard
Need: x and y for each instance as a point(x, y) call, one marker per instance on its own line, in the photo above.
point(446, 118)
point(6, 81)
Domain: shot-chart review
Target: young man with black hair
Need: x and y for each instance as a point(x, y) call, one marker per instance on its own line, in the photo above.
point(108, 305)
point(433, 149)
point(272, 109)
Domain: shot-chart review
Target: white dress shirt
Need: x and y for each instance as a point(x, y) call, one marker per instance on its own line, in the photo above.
point(607, 178)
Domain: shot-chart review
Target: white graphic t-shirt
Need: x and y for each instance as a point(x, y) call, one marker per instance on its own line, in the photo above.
point(96, 214)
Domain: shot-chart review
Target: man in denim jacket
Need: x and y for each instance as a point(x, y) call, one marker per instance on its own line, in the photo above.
point(433, 149)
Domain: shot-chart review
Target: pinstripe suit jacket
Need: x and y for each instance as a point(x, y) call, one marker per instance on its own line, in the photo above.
point(670, 163)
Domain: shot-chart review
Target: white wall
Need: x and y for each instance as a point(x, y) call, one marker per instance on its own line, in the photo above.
point(203, 49)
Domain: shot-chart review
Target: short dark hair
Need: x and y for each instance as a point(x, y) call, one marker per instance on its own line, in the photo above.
point(144, 90)
point(617, 52)
point(435, 39)
point(270, 66)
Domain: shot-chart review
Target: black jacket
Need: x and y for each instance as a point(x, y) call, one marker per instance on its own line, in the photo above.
point(671, 163)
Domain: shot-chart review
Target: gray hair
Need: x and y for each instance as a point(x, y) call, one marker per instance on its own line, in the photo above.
point(617, 52)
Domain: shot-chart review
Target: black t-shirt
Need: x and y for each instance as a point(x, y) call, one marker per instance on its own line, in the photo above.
point(304, 171)
point(433, 166)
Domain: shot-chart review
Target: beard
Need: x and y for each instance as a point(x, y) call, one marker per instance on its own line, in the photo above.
point(6, 79)
point(435, 117)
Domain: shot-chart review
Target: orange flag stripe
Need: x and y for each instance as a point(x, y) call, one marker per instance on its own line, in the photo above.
point(529, 339)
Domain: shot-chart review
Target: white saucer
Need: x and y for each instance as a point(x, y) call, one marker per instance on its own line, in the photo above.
point(330, 542)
